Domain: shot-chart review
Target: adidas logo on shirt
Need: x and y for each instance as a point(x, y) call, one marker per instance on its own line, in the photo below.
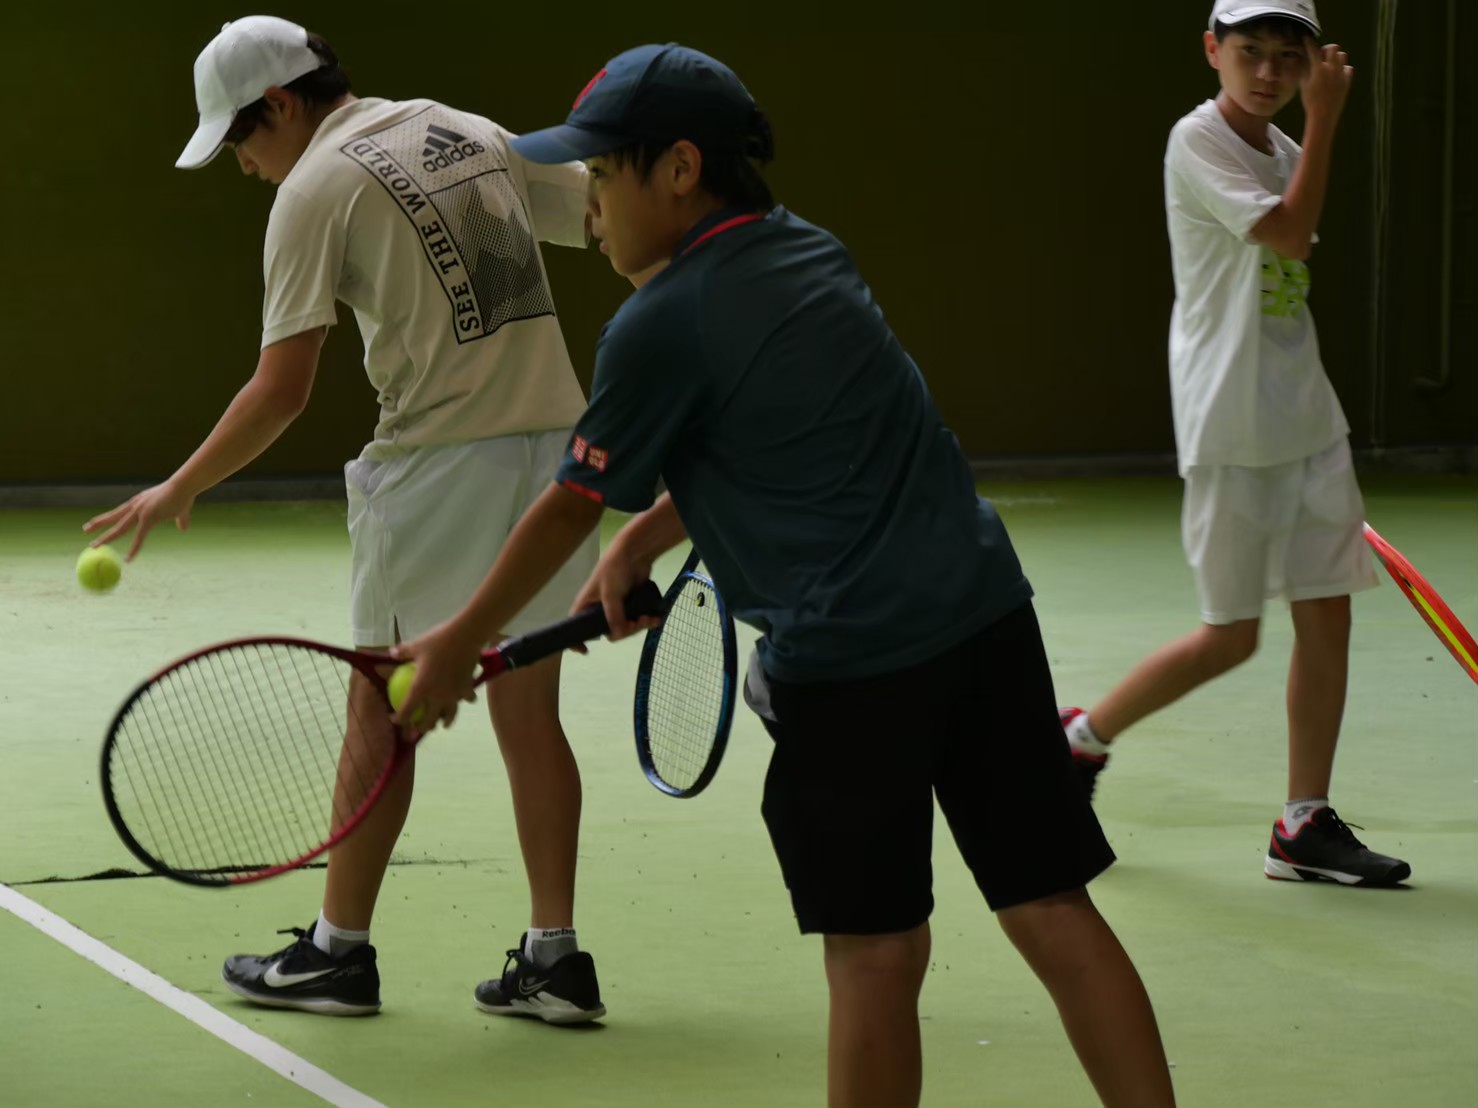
point(444, 148)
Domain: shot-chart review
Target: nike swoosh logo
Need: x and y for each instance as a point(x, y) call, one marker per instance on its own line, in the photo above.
point(278, 980)
point(529, 988)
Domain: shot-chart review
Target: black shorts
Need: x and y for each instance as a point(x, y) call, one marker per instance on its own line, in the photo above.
point(849, 797)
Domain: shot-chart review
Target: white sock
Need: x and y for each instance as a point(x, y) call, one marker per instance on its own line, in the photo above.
point(1082, 738)
point(1298, 812)
point(336, 941)
point(546, 945)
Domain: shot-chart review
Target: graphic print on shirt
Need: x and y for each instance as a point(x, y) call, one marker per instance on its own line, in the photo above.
point(1285, 285)
point(459, 195)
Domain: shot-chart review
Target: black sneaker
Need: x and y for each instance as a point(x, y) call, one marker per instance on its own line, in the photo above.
point(565, 992)
point(304, 977)
point(1325, 849)
point(1088, 766)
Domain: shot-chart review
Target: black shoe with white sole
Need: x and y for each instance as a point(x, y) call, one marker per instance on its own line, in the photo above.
point(566, 992)
point(302, 976)
point(1325, 849)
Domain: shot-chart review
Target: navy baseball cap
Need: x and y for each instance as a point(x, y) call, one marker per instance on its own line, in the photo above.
point(650, 94)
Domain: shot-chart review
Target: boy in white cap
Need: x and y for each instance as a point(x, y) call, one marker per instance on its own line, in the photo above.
point(425, 223)
point(1271, 506)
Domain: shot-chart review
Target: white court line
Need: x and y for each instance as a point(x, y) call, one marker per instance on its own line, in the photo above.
point(275, 1057)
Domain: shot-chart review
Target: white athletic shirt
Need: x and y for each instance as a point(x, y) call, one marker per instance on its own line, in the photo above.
point(422, 220)
point(1246, 383)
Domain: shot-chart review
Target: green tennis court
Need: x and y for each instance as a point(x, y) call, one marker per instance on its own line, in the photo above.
point(1267, 993)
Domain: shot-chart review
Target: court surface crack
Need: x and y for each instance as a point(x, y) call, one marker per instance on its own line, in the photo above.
point(120, 874)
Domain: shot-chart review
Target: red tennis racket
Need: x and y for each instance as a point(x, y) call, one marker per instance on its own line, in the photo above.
point(1425, 600)
point(252, 757)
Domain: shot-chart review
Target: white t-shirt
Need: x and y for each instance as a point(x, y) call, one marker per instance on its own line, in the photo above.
point(422, 220)
point(1246, 383)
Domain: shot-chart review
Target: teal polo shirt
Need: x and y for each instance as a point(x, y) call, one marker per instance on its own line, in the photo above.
point(757, 378)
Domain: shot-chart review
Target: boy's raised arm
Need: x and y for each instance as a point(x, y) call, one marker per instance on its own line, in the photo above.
point(1289, 228)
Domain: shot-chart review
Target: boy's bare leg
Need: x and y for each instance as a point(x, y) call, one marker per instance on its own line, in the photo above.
point(1171, 672)
point(1103, 1004)
point(874, 1056)
point(524, 706)
point(356, 867)
point(1317, 678)
point(545, 782)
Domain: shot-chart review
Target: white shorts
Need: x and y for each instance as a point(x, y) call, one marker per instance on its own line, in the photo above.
point(426, 527)
point(1292, 530)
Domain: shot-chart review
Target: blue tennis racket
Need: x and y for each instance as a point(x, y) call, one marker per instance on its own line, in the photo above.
point(685, 686)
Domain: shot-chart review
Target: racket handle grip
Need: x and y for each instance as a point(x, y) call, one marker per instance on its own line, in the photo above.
point(644, 600)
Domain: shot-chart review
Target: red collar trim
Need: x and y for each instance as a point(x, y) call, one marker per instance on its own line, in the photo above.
point(726, 225)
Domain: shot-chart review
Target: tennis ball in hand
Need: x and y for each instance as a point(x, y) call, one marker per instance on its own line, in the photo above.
point(399, 685)
point(99, 568)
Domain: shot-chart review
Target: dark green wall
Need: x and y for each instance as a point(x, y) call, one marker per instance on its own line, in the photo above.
point(1001, 191)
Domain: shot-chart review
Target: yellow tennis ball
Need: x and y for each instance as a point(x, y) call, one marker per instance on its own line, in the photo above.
point(99, 568)
point(399, 685)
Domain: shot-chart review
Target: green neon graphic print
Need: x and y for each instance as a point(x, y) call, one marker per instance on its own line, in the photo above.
point(1285, 286)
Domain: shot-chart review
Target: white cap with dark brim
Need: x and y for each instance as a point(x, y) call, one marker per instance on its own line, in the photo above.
point(236, 67)
point(1233, 12)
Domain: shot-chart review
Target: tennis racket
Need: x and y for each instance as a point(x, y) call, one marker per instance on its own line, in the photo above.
point(1425, 600)
point(250, 758)
point(685, 686)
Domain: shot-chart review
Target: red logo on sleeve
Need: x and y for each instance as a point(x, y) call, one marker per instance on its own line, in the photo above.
point(577, 449)
point(596, 459)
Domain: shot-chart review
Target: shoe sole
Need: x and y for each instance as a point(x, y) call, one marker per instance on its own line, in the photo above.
point(1280, 870)
point(322, 1006)
point(550, 1011)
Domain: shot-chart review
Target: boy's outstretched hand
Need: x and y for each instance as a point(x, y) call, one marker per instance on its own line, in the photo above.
point(1326, 81)
point(140, 513)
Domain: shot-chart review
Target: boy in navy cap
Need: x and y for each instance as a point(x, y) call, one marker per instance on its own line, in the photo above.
point(900, 658)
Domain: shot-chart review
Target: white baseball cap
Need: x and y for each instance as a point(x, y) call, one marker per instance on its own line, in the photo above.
point(1232, 12)
point(236, 67)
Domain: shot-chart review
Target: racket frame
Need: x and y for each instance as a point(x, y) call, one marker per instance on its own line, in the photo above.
point(1425, 599)
point(510, 654)
point(689, 572)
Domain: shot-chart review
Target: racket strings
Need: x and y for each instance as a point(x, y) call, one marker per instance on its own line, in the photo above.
point(685, 696)
point(238, 762)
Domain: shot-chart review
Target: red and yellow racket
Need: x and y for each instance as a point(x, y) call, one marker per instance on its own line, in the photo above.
point(1425, 600)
